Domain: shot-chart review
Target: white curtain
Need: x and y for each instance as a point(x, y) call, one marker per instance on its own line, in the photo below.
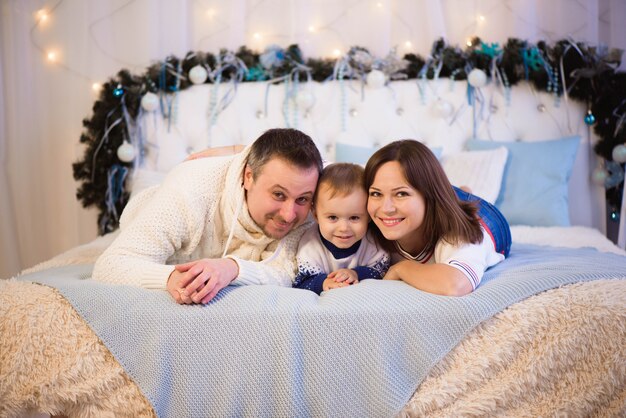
point(44, 97)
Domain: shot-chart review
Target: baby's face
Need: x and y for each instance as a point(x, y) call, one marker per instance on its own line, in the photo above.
point(342, 219)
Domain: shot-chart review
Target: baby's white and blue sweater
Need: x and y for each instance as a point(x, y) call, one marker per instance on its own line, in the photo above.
point(317, 258)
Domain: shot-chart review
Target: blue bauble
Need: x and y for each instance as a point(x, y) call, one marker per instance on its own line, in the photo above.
point(615, 174)
point(590, 119)
point(118, 92)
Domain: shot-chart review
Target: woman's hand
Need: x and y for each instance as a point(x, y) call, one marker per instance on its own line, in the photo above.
point(216, 152)
point(393, 273)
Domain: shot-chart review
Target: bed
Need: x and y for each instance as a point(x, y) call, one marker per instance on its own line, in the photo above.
point(544, 335)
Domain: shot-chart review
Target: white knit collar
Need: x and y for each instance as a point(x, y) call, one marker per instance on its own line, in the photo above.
point(238, 224)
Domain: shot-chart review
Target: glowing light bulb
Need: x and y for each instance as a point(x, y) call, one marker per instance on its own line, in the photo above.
point(312, 29)
point(42, 15)
point(336, 52)
point(408, 44)
point(52, 56)
point(469, 42)
point(96, 87)
point(256, 35)
point(481, 18)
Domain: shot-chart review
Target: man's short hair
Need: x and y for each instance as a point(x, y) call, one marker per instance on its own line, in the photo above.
point(291, 145)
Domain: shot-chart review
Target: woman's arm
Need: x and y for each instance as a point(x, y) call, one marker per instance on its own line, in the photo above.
point(216, 152)
point(440, 279)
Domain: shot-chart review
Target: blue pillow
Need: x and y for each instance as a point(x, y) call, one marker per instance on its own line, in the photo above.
point(346, 153)
point(534, 187)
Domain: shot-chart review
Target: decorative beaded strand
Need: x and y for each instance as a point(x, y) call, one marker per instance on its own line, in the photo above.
point(343, 100)
point(285, 109)
point(507, 87)
point(557, 97)
point(452, 76)
point(294, 105)
point(421, 83)
point(179, 75)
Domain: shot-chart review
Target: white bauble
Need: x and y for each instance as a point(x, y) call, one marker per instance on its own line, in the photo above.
point(619, 153)
point(477, 78)
point(149, 102)
point(198, 74)
point(375, 79)
point(305, 99)
point(126, 152)
point(599, 176)
point(443, 108)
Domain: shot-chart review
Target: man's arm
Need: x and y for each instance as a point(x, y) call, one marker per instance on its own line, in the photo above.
point(160, 228)
point(278, 267)
point(199, 281)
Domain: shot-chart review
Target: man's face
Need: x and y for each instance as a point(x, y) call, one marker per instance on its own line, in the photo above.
point(280, 198)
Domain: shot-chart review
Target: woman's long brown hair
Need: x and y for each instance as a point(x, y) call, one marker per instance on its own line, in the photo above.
point(445, 215)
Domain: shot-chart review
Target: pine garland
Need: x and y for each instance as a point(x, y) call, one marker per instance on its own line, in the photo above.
point(590, 76)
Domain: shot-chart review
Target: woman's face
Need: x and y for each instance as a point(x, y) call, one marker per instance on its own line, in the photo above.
point(395, 206)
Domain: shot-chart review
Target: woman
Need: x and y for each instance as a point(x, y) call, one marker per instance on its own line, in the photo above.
point(441, 239)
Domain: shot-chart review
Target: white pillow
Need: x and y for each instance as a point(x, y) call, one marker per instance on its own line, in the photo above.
point(481, 171)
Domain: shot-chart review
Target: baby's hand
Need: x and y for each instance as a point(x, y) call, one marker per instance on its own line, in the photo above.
point(331, 284)
point(347, 276)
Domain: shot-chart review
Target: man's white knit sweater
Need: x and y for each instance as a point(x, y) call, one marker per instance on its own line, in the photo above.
point(190, 216)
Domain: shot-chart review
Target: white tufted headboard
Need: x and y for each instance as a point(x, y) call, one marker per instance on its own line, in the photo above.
point(435, 112)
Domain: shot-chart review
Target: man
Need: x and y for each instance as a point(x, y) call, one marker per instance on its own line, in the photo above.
point(217, 221)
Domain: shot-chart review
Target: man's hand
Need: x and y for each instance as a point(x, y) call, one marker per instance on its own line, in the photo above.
point(199, 281)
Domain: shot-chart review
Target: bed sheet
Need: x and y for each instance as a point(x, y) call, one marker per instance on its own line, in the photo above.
point(570, 237)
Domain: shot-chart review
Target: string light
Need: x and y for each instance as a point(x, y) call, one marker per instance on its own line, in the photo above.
point(42, 15)
point(469, 42)
point(312, 29)
point(96, 87)
point(379, 5)
point(256, 35)
point(53, 56)
point(481, 18)
point(408, 44)
point(336, 52)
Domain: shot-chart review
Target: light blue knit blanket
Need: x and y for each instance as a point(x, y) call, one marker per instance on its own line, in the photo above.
point(267, 351)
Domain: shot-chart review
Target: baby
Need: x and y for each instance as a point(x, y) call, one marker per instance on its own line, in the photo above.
point(340, 251)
